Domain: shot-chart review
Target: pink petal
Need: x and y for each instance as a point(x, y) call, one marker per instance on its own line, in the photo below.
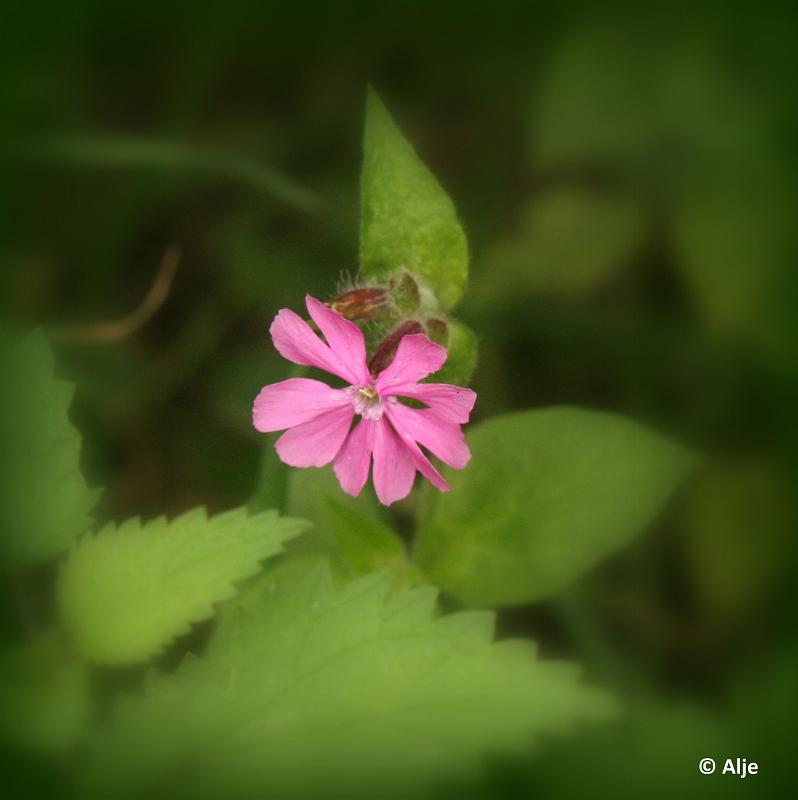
point(295, 340)
point(452, 403)
point(416, 357)
point(354, 458)
point(344, 337)
point(294, 401)
point(421, 462)
point(394, 471)
point(443, 439)
point(317, 442)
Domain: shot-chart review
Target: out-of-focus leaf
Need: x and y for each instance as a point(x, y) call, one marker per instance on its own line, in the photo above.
point(733, 232)
point(44, 696)
point(367, 544)
point(736, 536)
point(547, 495)
point(306, 497)
point(407, 219)
point(128, 591)
point(44, 500)
point(330, 693)
point(598, 101)
point(569, 241)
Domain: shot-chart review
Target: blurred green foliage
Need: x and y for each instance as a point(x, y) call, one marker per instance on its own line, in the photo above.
point(633, 170)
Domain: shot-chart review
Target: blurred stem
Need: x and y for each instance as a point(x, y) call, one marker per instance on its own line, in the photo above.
point(137, 153)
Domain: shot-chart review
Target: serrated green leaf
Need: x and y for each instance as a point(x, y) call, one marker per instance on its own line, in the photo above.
point(407, 219)
point(547, 495)
point(126, 592)
point(325, 693)
point(44, 498)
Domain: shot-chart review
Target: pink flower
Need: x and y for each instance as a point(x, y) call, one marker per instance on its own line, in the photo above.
point(317, 418)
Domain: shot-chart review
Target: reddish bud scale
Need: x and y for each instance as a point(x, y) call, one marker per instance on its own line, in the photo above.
point(438, 330)
point(360, 303)
point(386, 350)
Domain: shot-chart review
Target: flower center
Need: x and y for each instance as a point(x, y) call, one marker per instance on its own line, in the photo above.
point(367, 403)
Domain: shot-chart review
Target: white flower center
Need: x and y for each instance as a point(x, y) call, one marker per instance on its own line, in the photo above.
point(366, 401)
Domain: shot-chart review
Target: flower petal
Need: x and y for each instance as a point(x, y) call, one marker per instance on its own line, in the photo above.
point(442, 438)
point(317, 442)
point(416, 357)
point(294, 401)
point(394, 470)
point(344, 337)
point(452, 403)
point(421, 462)
point(354, 458)
point(296, 341)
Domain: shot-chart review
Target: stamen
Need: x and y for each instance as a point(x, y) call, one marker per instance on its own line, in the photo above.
point(367, 392)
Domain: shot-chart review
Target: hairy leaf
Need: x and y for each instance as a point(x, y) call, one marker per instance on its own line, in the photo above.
point(547, 495)
point(128, 591)
point(43, 496)
point(319, 692)
point(407, 219)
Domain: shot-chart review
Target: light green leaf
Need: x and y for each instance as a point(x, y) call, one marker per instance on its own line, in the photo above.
point(324, 693)
point(547, 495)
point(569, 242)
point(407, 219)
point(43, 496)
point(128, 591)
point(44, 695)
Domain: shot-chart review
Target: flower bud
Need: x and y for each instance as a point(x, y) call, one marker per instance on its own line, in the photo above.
point(405, 293)
point(386, 350)
point(360, 303)
point(438, 330)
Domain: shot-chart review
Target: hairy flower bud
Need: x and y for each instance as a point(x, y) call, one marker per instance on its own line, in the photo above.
point(360, 303)
point(386, 350)
point(437, 330)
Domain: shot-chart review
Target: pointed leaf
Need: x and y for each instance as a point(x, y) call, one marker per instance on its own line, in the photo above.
point(407, 219)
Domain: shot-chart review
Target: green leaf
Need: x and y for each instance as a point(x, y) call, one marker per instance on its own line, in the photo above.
point(407, 219)
point(461, 355)
point(43, 496)
point(569, 242)
point(547, 495)
point(128, 591)
point(366, 544)
point(44, 696)
point(324, 693)
point(308, 491)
